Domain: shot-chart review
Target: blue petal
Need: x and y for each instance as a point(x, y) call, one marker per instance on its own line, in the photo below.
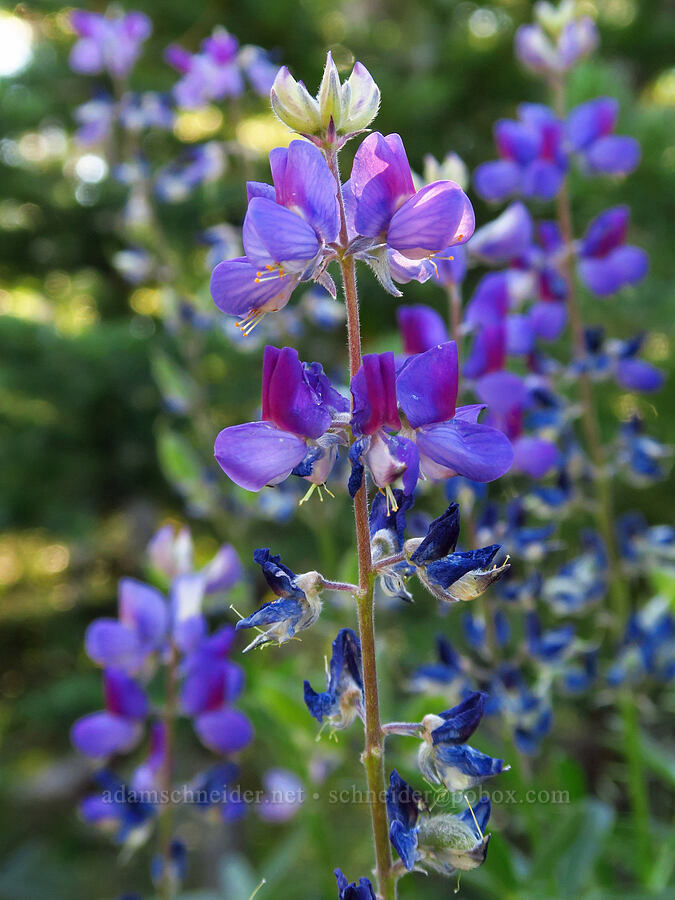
point(497, 180)
point(257, 453)
point(273, 235)
point(476, 451)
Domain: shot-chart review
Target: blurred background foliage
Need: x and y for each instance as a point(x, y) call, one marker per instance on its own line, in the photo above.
point(81, 489)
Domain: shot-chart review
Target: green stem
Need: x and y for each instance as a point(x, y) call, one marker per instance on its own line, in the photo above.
point(637, 784)
point(373, 751)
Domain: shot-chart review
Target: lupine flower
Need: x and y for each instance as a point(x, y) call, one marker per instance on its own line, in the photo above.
point(147, 110)
point(172, 870)
point(195, 166)
point(590, 135)
point(642, 457)
point(648, 647)
point(119, 809)
point(579, 676)
point(582, 581)
point(527, 712)
point(448, 675)
point(532, 159)
point(475, 630)
point(213, 791)
point(336, 114)
point(605, 262)
point(95, 120)
point(118, 728)
point(444, 842)
point(343, 698)
point(556, 52)
point(283, 796)
point(443, 756)
point(217, 70)
point(436, 439)
point(421, 328)
point(505, 238)
point(353, 891)
point(452, 576)
point(299, 406)
point(297, 608)
point(287, 235)
point(107, 43)
point(644, 546)
point(549, 647)
point(387, 524)
point(145, 777)
point(387, 210)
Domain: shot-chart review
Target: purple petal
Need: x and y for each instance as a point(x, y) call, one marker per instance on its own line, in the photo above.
point(469, 413)
point(287, 399)
point(497, 180)
point(478, 452)
point(451, 264)
point(548, 319)
point(426, 385)
point(502, 391)
point(109, 643)
point(224, 570)
point(275, 236)
point(625, 265)
point(404, 270)
point(374, 392)
point(380, 182)
point(606, 231)
point(258, 453)
point(520, 335)
point(638, 375)
point(124, 696)
point(144, 608)
point(614, 155)
point(542, 180)
point(589, 121)
point(224, 731)
point(260, 189)
point(235, 290)
point(491, 300)
point(305, 185)
point(516, 141)
point(534, 456)
point(102, 734)
point(178, 58)
point(421, 328)
point(438, 216)
point(505, 238)
point(86, 57)
point(488, 353)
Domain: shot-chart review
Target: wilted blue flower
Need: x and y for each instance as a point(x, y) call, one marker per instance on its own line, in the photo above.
point(353, 891)
point(297, 608)
point(532, 158)
point(343, 698)
point(403, 808)
point(299, 406)
point(107, 43)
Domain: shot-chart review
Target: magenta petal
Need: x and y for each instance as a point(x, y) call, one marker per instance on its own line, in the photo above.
point(380, 182)
point(109, 643)
point(102, 734)
point(534, 456)
point(438, 216)
point(124, 696)
point(606, 231)
point(275, 236)
point(426, 385)
point(374, 392)
point(478, 452)
point(224, 731)
point(258, 453)
point(287, 399)
point(235, 291)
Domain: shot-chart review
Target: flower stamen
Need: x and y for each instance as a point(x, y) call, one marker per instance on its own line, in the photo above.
point(253, 318)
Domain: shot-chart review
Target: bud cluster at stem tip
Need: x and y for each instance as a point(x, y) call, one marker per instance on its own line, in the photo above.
point(338, 112)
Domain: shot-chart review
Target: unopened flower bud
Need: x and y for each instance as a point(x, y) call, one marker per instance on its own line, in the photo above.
point(554, 18)
point(293, 104)
point(362, 101)
point(451, 168)
point(330, 95)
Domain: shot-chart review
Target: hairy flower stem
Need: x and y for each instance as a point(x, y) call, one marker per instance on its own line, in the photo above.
point(455, 313)
point(166, 887)
point(637, 782)
point(373, 751)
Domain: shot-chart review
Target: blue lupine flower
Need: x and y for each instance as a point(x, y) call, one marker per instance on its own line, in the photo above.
point(644, 546)
point(550, 647)
point(213, 790)
point(118, 808)
point(353, 891)
point(299, 406)
point(421, 328)
point(147, 110)
point(555, 53)
point(172, 870)
point(403, 807)
point(197, 165)
point(288, 232)
point(578, 676)
point(532, 158)
point(107, 43)
point(297, 608)
point(343, 698)
point(95, 120)
point(475, 630)
point(642, 456)
point(387, 524)
point(590, 135)
point(606, 262)
point(648, 647)
point(447, 676)
point(526, 712)
point(582, 581)
point(452, 576)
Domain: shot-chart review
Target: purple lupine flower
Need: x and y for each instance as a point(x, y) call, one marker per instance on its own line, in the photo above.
point(535, 49)
point(284, 795)
point(117, 728)
point(217, 71)
point(605, 262)
point(506, 238)
point(532, 160)
point(146, 776)
point(618, 359)
point(421, 328)
point(299, 409)
point(436, 440)
point(386, 209)
point(147, 110)
point(107, 43)
point(507, 397)
point(288, 232)
point(95, 120)
point(118, 807)
point(195, 166)
point(590, 134)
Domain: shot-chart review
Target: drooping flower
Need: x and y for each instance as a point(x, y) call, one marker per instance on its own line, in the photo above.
point(353, 891)
point(605, 262)
point(107, 43)
point(288, 232)
point(299, 407)
point(532, 160)
point(449, 575)
point(297, 608)
point(343, 700)
point(436, 439)
point(590, 135)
